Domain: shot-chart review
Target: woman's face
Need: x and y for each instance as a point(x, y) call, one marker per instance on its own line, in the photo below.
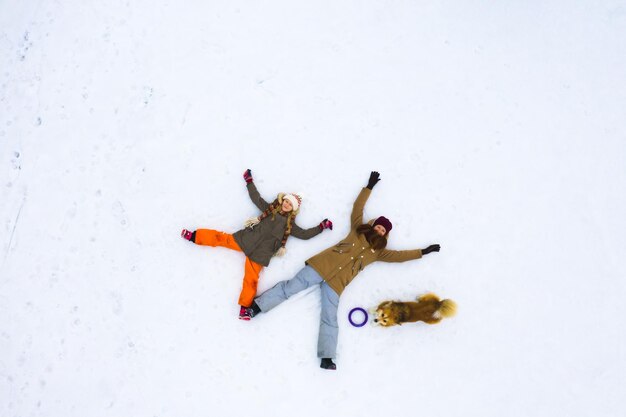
point(380, 230)
point(286, 207)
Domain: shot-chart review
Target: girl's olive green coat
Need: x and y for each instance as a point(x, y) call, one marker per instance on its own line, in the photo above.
point(262, 241)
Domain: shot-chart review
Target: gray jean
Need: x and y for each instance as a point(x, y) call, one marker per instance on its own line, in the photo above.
point(305, 278)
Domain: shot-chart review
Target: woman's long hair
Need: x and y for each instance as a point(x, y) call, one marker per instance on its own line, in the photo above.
point(375, 240)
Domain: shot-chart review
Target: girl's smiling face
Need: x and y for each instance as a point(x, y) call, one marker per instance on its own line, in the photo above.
point(286, 207)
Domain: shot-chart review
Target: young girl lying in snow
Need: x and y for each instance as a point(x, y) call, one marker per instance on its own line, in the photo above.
point(262, 237)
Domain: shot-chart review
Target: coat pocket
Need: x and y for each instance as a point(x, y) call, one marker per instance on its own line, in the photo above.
point(357, 266)
point(343, 247)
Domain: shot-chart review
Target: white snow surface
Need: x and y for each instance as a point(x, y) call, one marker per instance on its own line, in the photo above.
point(499, 132)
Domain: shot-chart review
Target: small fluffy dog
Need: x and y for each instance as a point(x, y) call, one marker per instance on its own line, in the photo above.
point(428, 308)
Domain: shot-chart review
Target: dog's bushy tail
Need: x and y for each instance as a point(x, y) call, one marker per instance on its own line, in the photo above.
point(447, 308)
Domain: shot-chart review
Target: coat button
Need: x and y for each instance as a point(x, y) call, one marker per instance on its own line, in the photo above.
point(352, 257)
point(361, 256)
point(339, 267)
point(353, 244)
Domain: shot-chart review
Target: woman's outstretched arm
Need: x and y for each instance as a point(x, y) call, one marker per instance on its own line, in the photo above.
point(356, 218)
point(387, 255)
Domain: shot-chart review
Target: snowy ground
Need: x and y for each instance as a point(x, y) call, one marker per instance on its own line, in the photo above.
point(499, 132)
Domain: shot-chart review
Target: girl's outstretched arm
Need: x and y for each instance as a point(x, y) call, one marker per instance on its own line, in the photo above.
point(305, 234)
point(254, 194)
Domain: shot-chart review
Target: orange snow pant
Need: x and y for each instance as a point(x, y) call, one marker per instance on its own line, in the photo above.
point(214, 238)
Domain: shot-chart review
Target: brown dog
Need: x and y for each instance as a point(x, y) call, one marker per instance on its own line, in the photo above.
point(428, 308)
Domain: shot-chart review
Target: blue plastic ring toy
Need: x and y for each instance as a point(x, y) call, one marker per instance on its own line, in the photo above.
point(358, 324)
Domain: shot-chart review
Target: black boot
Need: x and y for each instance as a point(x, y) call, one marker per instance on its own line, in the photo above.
point(255, 308)
point(327, 363)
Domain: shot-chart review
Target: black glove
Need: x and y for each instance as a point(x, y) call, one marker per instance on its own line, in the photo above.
point(374, 178)
point(431, 248)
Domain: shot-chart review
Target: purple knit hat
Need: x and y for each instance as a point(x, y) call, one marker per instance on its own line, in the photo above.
point(384, 222)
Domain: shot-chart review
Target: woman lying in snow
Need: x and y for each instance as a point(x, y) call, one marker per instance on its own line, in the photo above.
point(262, 237)
point(334, 268)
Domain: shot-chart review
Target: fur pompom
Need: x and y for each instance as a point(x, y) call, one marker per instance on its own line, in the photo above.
point(281, 252)
point(251, 222)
